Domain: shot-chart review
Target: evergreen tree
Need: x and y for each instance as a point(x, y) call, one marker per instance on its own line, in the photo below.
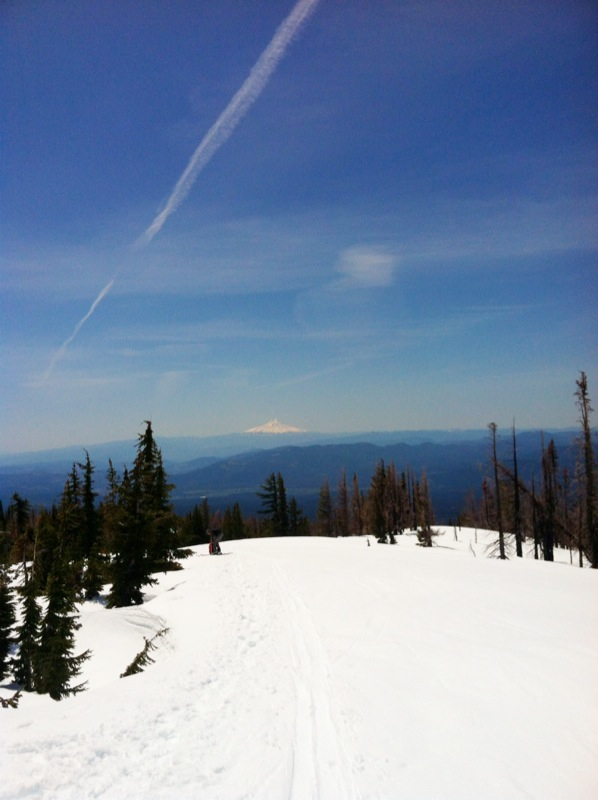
point(283, 507)
point(269, 497)
point(69, 519)
point(130, 567)
point(377, 504)
point(412, 504)
point(407, 511)
point(393, 503)
point(193, 527)
point(206, 513)
point(274, 505)
point(7, 621)
point(341, 510)
point(110, 510)
point(19, 529)
point(45, 544)
point(357, 512)
point(25, 667)
point(90, 527)
point(324, 513)
point(93, 575)
point(154, 509)
point(142, 523)
point(254, 528)
point(57, 666)
point(424, 512)
point(232, 524)
point(298, 524)
point(5, 543)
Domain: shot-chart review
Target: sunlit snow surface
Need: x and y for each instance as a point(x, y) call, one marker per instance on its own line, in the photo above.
point(324, 668)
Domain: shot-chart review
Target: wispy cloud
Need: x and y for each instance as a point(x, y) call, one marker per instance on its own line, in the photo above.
point(365, 267)
point(347, 302)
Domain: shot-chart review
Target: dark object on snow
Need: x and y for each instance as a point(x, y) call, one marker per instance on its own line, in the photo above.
point(215, 539)
point(143, 658)
point(11, 702)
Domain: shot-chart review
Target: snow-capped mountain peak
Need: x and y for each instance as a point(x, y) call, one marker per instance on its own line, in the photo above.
point(275, 426)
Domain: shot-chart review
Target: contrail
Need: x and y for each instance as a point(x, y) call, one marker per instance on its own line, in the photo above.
point(63, 347)
point(231, 116)
point(218, 134)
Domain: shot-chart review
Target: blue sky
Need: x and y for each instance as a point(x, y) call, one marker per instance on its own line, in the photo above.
point(399, 233)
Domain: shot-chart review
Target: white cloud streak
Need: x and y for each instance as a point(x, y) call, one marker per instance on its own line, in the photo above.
point(240, 104)
point(63, 347)
point(218, 134)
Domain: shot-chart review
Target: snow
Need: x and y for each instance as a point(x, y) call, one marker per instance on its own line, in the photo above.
point(324, 668)
point(275, 426)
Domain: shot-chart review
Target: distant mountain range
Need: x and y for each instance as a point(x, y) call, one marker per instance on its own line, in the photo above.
point(232, 468)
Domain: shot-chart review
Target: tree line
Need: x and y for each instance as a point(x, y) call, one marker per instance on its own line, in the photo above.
point(554, 508)
point(393, 503)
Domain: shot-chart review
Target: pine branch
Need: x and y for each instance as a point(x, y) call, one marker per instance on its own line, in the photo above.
point(11, 702)
point(143, 658)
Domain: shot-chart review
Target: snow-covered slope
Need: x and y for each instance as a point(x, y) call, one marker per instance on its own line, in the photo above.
point(324, 668)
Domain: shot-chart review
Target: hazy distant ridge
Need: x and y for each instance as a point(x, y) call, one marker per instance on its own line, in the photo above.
point(232, 468)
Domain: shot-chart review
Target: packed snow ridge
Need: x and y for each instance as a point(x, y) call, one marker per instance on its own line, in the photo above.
point(275, 426)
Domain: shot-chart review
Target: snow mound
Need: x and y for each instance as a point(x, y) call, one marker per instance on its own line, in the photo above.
point(327, 669)
point(275, 426)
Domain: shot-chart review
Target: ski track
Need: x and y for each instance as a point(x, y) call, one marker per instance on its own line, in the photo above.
point(289, 750)
point(320, 768)
point(293, 752)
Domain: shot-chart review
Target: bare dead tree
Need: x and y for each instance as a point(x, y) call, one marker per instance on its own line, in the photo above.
point(501, 535)
point(588, 499)
point(516, 501)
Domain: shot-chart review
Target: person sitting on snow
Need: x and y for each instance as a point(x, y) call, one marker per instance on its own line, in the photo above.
point(215, 539)
point(215, 534)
